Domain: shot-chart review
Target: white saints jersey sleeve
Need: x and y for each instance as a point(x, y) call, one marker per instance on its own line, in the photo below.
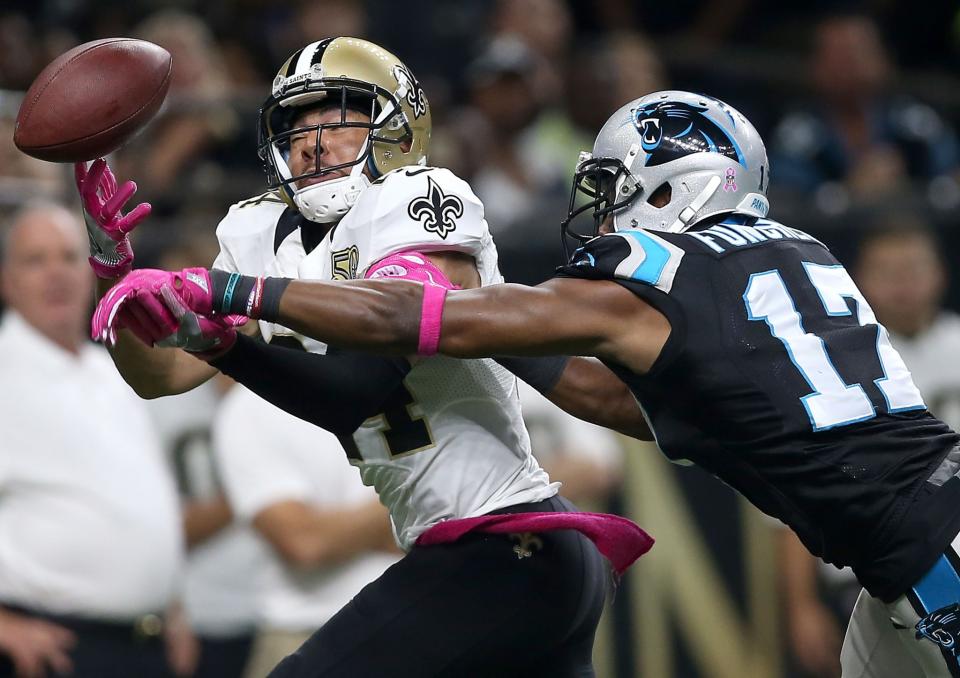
point(246, 235)
point(254, 241)
point(450, 442)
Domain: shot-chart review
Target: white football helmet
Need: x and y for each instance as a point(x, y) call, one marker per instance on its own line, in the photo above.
point(354, 74)
point(695, 152)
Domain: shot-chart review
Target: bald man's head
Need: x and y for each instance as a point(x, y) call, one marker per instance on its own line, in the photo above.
point(43, 272)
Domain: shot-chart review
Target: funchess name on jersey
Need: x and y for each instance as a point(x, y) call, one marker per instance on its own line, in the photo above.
point(724, 236)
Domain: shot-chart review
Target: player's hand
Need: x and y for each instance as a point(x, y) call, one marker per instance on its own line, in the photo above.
point(111, 255)
point(135, 303)
point(34, 645)
point(205, 337)
point(160, 309)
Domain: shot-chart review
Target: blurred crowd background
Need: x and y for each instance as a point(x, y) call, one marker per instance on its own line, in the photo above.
point(859, 105)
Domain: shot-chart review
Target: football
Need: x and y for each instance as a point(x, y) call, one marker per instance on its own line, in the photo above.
point(92, 99)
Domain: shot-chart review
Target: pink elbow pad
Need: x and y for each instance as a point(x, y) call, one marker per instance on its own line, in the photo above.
point(415, 266)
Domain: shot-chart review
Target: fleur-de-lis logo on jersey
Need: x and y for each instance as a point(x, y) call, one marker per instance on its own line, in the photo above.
point(437, 211)
point(529, 544)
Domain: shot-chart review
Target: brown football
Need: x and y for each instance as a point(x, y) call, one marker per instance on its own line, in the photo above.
point(92, 99)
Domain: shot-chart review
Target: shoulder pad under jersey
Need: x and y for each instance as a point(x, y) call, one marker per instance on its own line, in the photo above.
point(422, 208)
point(246, 234)
point(636, 255)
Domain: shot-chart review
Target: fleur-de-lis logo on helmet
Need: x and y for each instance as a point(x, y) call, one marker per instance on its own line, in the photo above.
point(437, 210)
point(413, 92)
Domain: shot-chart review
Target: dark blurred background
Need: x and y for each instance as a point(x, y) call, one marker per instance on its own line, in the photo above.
point(858, 103)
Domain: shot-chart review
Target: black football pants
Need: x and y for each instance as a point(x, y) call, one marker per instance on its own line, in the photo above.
point(474, 608)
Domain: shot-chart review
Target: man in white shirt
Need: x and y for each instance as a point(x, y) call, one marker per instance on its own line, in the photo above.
point(324, 533)
point(90, 539)
point(901, 272)
point(223, 556)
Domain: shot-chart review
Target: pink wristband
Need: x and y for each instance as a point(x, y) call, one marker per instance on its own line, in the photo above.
point(412, 265)
point(431, 316)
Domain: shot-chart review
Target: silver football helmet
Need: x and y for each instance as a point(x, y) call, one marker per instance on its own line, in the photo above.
point(691, 154)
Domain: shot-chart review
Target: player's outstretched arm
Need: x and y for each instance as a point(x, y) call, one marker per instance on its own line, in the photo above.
point(336, 391)
point(155, 372)
point(563, 316)
point(150, 372)
point(583, 387)
point(589, 390)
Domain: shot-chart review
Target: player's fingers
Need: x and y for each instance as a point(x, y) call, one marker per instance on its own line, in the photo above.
point(130, 221)
point(28, 665)
point(104, 186)
point(126, 320)
point(79, 173)
point(92, 183)
point(103, 316)
point(141, 323)
point(156, 318)
point(173, 302)
point(60, 662)
point(116, 201)
point(109, 178)
point(62, 636)
point(57, 642)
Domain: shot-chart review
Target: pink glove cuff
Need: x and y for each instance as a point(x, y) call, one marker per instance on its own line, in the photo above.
point(110, 271)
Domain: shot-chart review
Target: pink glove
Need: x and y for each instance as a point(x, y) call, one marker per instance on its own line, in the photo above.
point(136, 303)
point(206, 338)
point(111, 255)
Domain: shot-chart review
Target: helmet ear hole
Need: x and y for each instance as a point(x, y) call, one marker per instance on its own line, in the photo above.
point(662, 196)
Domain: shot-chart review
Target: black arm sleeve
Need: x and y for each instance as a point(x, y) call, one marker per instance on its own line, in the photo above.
point(337, 391)
point(541, 373)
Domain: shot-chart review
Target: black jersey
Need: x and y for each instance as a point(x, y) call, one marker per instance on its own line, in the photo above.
point(777, 379)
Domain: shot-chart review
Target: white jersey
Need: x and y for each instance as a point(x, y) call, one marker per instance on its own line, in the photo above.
point(450, 442)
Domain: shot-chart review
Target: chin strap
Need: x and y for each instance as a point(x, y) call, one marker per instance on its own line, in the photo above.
point(330, 200)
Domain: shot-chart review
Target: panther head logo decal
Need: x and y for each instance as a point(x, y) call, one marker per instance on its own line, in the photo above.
point(437, 211)
point(672, 129)
point(942, 627)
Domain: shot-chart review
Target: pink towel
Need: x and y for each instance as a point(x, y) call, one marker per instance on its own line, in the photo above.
point(622, 541)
